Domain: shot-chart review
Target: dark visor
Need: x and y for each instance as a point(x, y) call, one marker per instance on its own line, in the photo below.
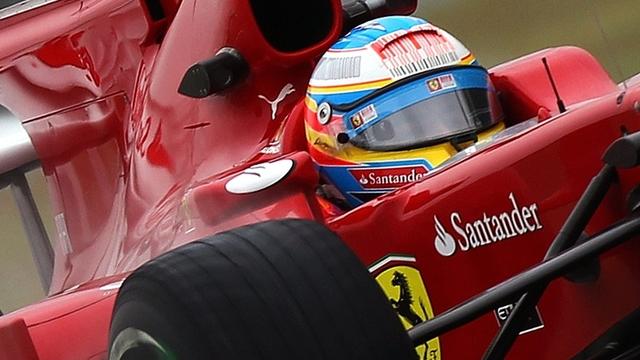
point(434, 120)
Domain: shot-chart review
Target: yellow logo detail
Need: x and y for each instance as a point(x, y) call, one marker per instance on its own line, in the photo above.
point(356, 120)
point(406, 292)
point(434, 85)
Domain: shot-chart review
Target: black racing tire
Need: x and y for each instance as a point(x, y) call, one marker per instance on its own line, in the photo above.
point(285, 289)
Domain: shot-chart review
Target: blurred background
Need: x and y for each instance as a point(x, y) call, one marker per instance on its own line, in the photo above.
point(495, 30)
point(499, 30)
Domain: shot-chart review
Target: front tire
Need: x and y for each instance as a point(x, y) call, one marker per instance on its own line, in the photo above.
point(286, 289)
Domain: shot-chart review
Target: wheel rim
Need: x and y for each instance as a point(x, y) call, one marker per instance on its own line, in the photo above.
point(134, 343)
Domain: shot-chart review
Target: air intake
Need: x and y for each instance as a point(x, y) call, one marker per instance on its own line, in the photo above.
point(293, 25)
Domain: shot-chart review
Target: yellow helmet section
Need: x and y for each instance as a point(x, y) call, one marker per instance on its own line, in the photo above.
point(435, 155)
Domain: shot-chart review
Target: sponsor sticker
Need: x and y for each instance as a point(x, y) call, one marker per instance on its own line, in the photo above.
point(532, 323)
point(442, 82)
point(259, 177)
point(356, 121)
point(403, 286)
point(338, 68)
point(377, 178)
point(487, 230)
point(324, 113)
point(406, 54)
point(273, 104)
point(364, 116)
point(434, 85)
point(271, 149)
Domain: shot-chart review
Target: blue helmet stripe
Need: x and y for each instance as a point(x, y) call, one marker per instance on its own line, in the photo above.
point(416, 91)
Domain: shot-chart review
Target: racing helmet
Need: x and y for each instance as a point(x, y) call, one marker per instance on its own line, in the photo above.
point(392, 100)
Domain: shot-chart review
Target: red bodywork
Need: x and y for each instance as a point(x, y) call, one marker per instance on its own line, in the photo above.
point(135, 169)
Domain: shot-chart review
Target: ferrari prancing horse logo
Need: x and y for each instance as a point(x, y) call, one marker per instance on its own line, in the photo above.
point(406, 292)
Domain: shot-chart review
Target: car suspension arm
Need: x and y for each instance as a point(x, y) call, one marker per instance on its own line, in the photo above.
point(525, 281)
point(566, 238)
point(625, 153)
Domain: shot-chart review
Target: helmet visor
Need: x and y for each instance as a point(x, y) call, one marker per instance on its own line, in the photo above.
point(433, 120)
point(429, 110)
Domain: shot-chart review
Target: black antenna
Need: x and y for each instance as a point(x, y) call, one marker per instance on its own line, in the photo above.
point(560, 103)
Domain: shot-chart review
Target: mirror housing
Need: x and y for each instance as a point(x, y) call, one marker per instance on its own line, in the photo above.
point(226, 69)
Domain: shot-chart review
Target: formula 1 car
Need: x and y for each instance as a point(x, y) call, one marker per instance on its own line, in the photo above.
point(171, 135)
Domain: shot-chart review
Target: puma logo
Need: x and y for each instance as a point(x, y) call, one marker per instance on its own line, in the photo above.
point(286, 90)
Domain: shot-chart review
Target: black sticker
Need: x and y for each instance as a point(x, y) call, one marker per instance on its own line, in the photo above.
point(533, 322)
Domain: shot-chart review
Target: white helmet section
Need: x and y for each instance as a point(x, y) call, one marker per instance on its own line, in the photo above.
point(390, 58)
point(346, 67)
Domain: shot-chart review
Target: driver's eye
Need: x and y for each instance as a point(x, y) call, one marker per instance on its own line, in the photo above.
point(383, 131)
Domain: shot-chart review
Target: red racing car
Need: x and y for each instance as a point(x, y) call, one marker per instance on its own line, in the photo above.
point(190, 224)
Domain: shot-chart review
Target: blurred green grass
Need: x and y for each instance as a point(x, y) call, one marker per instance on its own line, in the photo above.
point(499, 30)
point(19, 282)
